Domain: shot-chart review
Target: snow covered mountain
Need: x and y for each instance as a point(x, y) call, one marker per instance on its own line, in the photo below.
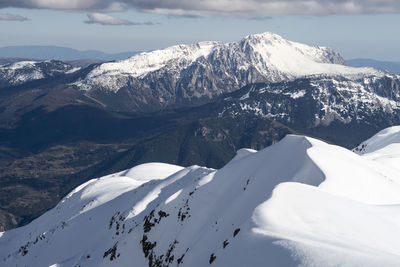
point(321, 100)
point(189, 75)
point(24, 71)
point(196, 73)
point(300, 202)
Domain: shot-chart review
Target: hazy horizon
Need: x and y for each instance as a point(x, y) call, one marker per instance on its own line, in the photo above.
point(345, 55)
point(355, 30)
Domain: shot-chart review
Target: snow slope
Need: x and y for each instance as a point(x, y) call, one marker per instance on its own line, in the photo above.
point(384, 147)
point(386, 137)
point(272, 52)
point(300, 202)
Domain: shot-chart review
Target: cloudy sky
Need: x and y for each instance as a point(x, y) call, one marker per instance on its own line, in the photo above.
point(356, 28)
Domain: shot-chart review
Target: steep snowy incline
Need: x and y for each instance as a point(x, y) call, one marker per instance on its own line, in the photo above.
point(386, 137)
point(273, 54)
point(384, 147)
point(300, 202)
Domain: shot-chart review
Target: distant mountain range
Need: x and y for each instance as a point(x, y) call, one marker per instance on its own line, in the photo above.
point(59, 53)
point(17, 53)
point(390, 66)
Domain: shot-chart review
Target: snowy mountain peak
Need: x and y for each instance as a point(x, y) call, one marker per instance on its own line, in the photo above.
point(203, 70)
point(265, 37)
point(300, 202)
point(317, 53)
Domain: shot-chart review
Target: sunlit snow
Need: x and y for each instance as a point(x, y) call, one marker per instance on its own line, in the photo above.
point(300, 202)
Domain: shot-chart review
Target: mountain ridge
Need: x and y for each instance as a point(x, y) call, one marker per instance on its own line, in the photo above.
point(252, 211)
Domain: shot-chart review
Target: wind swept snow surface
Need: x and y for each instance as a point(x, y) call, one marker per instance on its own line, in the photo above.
point(300, 202)
point(384, 147)
point(386, 137)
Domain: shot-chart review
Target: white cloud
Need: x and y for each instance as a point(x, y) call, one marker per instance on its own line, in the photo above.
point(12, 17)
point(59, 4)
point(241, 8)
point(254, 8)
point(104, 19)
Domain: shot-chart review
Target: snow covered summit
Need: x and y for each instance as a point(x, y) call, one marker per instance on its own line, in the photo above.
point(300, 202)
point(271, 55)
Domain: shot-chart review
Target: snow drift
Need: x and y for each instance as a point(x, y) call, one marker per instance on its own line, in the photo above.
point(300, 202)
